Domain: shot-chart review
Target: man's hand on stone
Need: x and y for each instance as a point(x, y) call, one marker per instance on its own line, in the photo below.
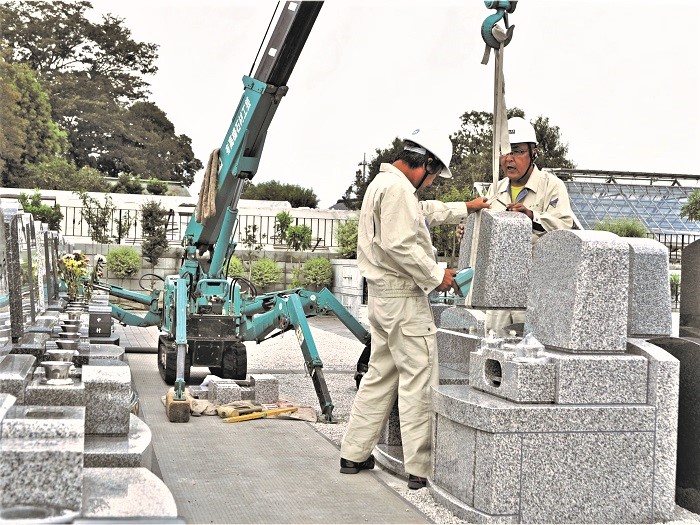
point(477, 204)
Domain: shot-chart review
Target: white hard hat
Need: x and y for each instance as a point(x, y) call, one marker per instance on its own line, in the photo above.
point(520, 130)
point(438, 144)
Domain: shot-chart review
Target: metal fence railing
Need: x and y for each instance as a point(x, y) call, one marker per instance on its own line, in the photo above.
point(261, 228)
point(324, 231)
point(675, 242)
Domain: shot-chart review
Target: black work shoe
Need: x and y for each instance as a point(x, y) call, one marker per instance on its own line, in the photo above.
point(352, 467)
point(416, 482)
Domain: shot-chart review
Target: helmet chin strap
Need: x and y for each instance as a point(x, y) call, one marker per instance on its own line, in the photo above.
point(529, 166)
point(422, 180)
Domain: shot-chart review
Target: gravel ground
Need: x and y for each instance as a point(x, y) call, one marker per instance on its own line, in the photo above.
point(282, 357)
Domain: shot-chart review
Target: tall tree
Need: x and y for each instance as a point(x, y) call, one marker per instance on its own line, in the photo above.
point(57, 37)
point(95, 74)
point(28, 133)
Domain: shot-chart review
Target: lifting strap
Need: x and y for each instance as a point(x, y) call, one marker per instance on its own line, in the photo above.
point(501, 142)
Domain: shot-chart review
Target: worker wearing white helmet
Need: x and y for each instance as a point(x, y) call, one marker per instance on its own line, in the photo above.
point(524, 188)
point(395, 256)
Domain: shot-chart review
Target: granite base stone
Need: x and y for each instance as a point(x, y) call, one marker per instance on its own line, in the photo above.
point(132, 450)
point(465, 319)
point(43, 422)
point(42, 471)
point(126, 493)
point(40, 393)
point(608, 456)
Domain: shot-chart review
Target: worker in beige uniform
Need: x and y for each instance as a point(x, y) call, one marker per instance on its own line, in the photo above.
point(395, 256)
point(540, 195)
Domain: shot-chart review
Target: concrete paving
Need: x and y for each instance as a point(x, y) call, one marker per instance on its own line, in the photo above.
point(261, 471)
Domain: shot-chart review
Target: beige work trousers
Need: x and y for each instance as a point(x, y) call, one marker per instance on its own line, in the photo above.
point(403, 362)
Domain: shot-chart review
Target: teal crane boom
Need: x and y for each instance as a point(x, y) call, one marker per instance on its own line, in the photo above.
point(206, 316)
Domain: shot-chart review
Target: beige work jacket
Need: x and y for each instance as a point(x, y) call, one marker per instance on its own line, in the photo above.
point(545, 194)
point(394, 250)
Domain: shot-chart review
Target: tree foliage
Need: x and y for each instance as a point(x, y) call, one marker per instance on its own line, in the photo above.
point(471, 158)
point(94, 74)
point(28, 134)
point(297, 196)
point(691, 209)
point(60, 174)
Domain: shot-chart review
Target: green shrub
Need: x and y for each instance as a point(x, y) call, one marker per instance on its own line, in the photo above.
point(299, 237)
point(51, 215)
point(347, 239)
point(123, 261)
point(235, 267)
point(156, 187)
point(283, 220)
point(264, 272)
point(317, 271)
point(624, 227)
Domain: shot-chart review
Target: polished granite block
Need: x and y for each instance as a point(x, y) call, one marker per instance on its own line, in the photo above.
point(44, 422)
point(501, 256)
point(438, 309)
point(42, 471)
point(463, 318)
point(578, 293)
point(131, 450)
point(649, 297)
point(15, 374)
point(612, 469)
point(675, 450)
point(107, 397)
point(454, 349)
point(124, 493)
point(31, 344)
point(223, 391)
point(482, 411)
point(266, 387)
point(500, 373)
point(690, 277)
point(40, 393)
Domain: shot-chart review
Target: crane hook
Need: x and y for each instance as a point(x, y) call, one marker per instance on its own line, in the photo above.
point(503, 7)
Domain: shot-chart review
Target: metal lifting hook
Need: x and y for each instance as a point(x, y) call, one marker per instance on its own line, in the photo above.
point(503, 7)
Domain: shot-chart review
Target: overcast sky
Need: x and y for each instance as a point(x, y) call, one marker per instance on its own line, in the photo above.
point(619, 78)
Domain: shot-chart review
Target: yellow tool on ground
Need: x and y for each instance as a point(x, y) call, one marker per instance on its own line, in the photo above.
point(262, 414)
